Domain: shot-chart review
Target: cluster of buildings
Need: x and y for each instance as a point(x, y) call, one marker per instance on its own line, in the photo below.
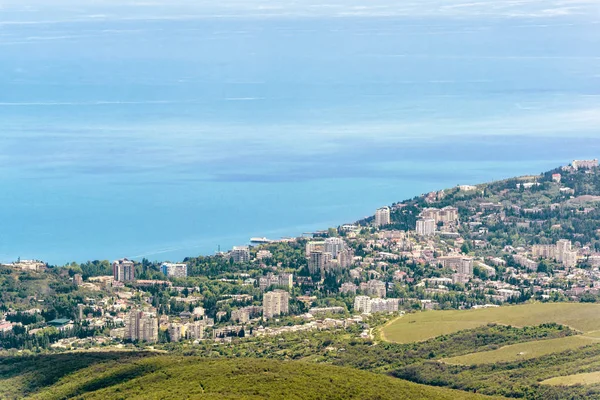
point(460, 264)
point(384, 262)
point(244, 314)
point(561, 252)
point(330, 254)
point(368, 305)
point(443, 215)
point(141, 326)
point(283, 279)
point(584, 164)
point(124, 270)
point(430, 218)
point(189, 330)
point(27, 265)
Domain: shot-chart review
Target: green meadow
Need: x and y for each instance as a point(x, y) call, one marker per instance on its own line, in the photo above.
point(429, 324)
point(526, 350)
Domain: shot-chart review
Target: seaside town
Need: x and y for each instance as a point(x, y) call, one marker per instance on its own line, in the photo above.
point(471, 246)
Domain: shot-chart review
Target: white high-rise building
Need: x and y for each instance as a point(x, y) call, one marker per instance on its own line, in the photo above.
point(425, 227)
point(345, 258)
point(565, 254)
point(334, 245)
point(368, 305)
point(275, 303)
point(240, 254)
point(570, 259)
point(362, 303)
point(382, 216)
point(174, 270)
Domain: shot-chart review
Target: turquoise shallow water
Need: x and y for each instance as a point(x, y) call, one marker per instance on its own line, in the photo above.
point(125, 134)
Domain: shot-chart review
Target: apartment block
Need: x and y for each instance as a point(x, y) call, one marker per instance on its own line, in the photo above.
point(174, 270)
point(275, 303)
point(382, 216)
point(368, 305)
point(334, 246)
point(142, 326)
point(240, 254)
point(283, 279)
point(348, 287)
point(373, 288)
point(123, 270)
point(426, 227)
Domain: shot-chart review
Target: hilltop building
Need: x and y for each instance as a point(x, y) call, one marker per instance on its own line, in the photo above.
point(240, 254)
point(382, 216)
point(28, 265)
point(556, 178)
point(78, 279)
point(123, 270)
point(584, 164)
point(174, 270)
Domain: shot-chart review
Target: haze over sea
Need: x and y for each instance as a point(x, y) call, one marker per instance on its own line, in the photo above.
point(162, 129)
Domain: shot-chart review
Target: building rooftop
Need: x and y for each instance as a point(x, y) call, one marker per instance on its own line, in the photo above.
point(59, 322)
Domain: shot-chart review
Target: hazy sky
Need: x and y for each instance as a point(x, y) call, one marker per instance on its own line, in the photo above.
point(331, 8)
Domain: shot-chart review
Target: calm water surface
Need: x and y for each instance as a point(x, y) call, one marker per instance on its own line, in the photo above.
point(164, 131)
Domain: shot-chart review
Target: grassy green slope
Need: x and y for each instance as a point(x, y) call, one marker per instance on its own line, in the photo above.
point(526, 350)
point(590, 378)
point(112, 376)
point(425, 325)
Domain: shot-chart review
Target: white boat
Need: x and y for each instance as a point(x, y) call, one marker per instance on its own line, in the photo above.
point(260, 240)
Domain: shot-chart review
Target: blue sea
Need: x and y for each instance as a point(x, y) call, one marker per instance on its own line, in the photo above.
point(167, 129)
